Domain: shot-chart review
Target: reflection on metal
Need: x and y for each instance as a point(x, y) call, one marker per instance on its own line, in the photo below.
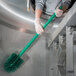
point(17, 28)
point(62, 55)
point(63, 23)
point(13, 12)
point(55, 26)
point(21, 29)
point(69, 52)
point(16, 14)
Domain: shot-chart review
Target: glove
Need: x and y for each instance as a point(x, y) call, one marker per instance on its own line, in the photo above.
point(58, 12)
point(38, 26)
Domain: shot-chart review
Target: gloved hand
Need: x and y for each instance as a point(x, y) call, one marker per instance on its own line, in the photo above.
point(38, 26)
point(58, 12)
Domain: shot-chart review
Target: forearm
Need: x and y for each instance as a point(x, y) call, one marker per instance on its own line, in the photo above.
point(38, 26)
point(39, 8)
point(38, 13)
point(65, 5)
point(64, 8)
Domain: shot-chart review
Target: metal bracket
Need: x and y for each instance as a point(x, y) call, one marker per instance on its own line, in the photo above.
point(69, 52)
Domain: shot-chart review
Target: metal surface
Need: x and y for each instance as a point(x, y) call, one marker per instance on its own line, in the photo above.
point(62, 56)
point(62, 24)
point(17, 28)
point(69, 52)
point(16, 31)
point(15, 13)
point(11, 41)
point(42, 62)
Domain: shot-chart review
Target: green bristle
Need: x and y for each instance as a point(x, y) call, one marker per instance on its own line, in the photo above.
point(12, 63)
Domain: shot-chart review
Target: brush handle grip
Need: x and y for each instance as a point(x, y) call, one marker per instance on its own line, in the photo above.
point(36, 35)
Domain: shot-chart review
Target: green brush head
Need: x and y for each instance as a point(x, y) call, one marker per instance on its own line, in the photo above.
point(12, 63)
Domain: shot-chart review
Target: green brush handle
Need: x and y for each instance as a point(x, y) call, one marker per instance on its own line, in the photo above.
point(36, 35)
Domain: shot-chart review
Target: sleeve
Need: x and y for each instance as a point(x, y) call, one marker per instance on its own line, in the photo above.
point(66, 3)
point(40, 4)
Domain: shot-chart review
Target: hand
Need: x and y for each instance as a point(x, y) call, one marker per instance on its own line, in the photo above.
point(38, 26)
point(58, 12)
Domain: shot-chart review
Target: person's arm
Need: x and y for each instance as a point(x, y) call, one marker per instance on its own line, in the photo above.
point(38, 26)
point(38, 12)
point(39, 7)
point(65, 4)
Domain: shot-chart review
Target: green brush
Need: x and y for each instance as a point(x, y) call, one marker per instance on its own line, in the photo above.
point(14, 61)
